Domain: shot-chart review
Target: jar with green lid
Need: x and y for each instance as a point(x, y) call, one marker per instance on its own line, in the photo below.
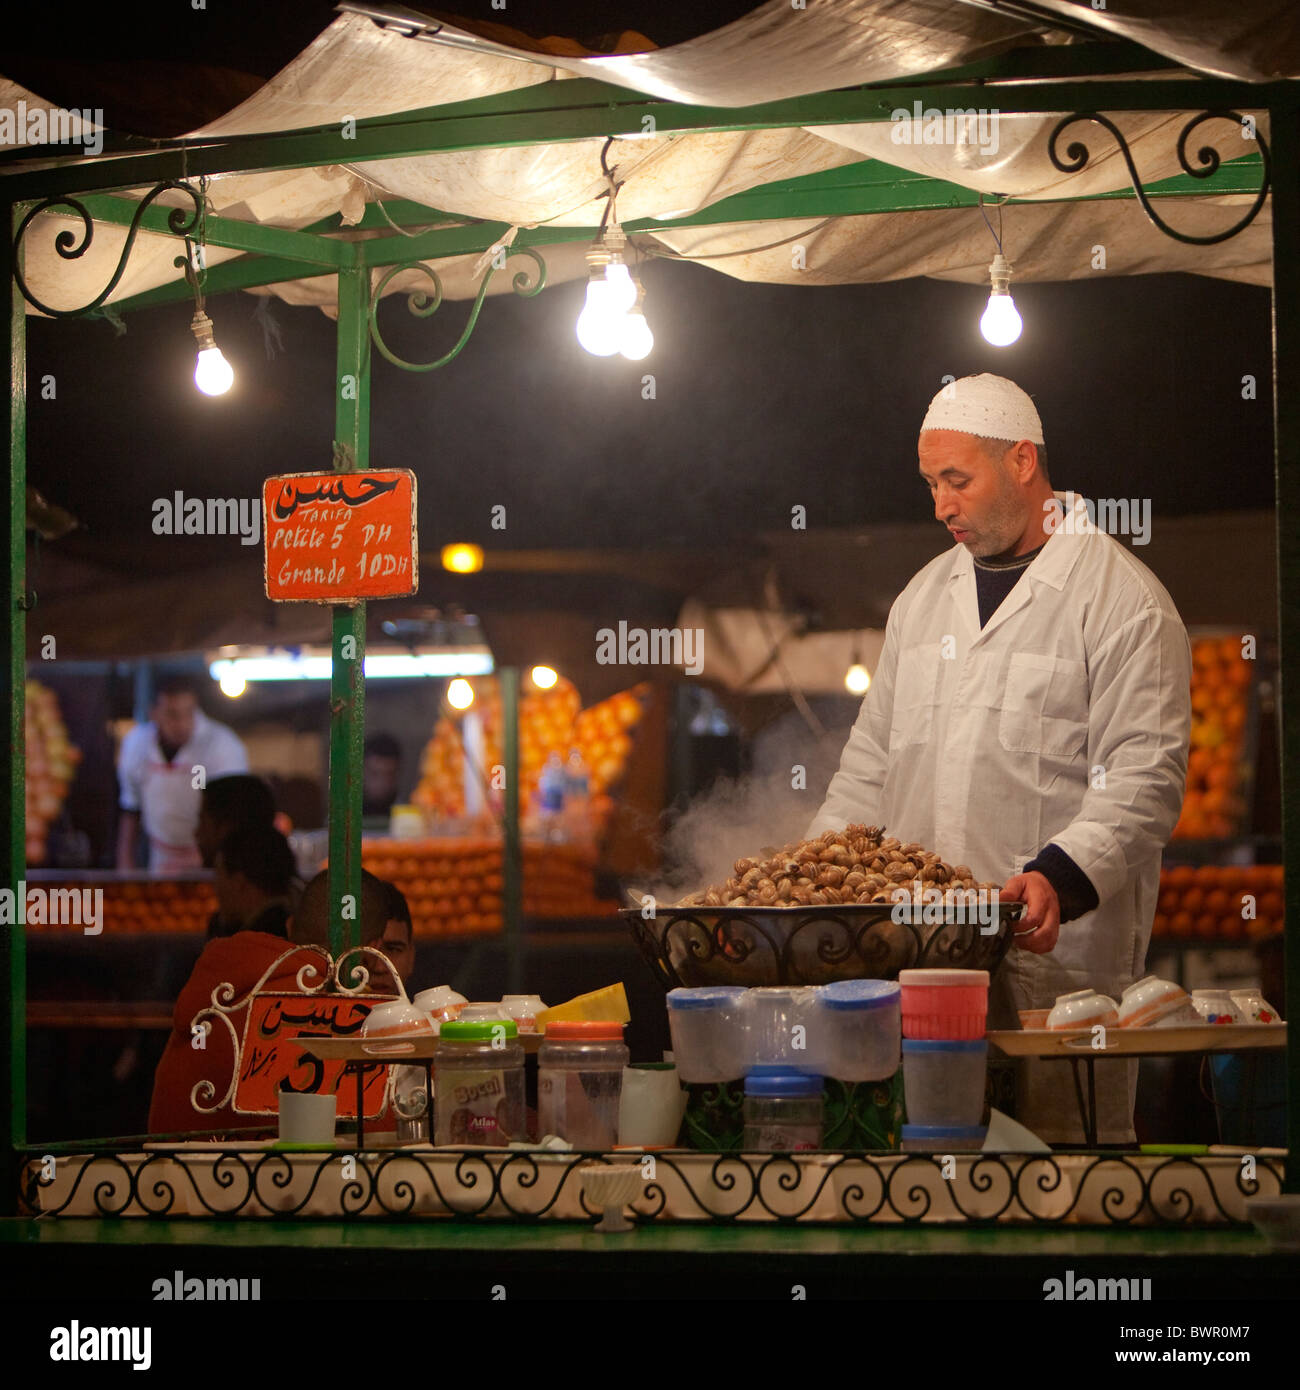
point(478, 1084)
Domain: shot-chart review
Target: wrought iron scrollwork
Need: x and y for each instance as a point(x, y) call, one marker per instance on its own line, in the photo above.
point(840, 1187)
point(1209, 160)
point(180, 222)
point(423, 303)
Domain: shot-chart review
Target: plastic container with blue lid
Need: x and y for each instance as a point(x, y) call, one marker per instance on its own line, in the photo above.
point(783, 1110)
point(859, 1023)
point(944, 1080)
point(708, 1032)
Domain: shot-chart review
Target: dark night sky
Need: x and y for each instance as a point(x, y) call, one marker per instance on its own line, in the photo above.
point(766, 396)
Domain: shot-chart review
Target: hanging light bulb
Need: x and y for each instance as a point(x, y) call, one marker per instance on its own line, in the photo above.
point(233, 684)
point(600, 325)
point(636, 339)
point(213, 375)
point(623, 287)
point(1001, 323)
point(857, 680)
point(460, 694)
point(544, 677)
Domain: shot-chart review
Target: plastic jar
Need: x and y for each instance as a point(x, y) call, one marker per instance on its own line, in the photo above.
point(708, 1032)
point(944, 1003)
point(781, 1023)
point(861, 1020)
point(478, 1084)
point(580, 1082)
point(783, 1110)
point(943, 1080)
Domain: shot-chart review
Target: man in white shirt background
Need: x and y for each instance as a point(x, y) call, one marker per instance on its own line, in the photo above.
point(162, 768)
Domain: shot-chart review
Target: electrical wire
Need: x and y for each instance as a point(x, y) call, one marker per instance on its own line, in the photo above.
point(997, 236)
point(668, 254)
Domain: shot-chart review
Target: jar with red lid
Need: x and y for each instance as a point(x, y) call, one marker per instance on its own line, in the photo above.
point(580, 1082)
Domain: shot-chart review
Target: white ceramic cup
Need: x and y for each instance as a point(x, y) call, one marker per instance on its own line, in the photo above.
point(307, 1118)
point(1084, 1008)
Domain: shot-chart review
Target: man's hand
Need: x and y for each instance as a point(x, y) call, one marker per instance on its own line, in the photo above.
point(1040, 926)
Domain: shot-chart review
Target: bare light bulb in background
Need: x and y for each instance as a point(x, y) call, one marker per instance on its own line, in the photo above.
point(1001, 323)
point(544, 677)
point(233, 684)
point(857, 680)
point(460, 694)
point(623, 290)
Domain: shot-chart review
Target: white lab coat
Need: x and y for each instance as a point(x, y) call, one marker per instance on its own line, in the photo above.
point(1064, 720)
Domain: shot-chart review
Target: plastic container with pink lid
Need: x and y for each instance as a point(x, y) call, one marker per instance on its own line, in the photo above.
point(944, 1003)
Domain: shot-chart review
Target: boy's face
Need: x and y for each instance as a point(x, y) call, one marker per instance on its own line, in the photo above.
point(396, 944)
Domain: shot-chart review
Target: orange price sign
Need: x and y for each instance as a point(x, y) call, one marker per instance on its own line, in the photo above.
point(268, 1060)
point(340, 537)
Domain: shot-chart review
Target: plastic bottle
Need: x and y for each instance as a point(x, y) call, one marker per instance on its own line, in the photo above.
point(577, 797)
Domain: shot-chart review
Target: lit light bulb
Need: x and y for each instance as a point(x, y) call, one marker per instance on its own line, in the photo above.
point(1000, 324)
point(460, 694)
point(233, 684)
point(544, 677)
point(637, 339)
point(462, 558)
point(600, 325)
point(213, 375)
point(857, 680)
point(624, 287)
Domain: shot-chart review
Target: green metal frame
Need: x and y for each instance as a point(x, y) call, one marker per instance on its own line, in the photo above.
point(1021, 81)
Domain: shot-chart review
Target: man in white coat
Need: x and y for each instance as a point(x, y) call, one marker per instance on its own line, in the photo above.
point(1029, 717)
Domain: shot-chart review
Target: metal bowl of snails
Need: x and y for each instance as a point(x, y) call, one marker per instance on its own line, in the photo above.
point(905, 909)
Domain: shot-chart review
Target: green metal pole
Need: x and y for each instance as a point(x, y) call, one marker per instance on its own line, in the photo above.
point(1285, 134)
point(513, 866)
point(348, 642)
point(13, 953)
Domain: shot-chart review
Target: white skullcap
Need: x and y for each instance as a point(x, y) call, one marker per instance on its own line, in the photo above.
point(986, 405)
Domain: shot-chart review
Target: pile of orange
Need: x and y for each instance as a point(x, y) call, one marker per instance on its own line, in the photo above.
point(1213, 804)
point(454, 886)
point(51, 765)
point(1209, 903)
point(161, 905)
point(550, 721)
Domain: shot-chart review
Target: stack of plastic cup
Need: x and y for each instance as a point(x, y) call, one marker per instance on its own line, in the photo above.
point(861, 1022)
point(708, 1033)
point(945, 1056)
point(784, 1024)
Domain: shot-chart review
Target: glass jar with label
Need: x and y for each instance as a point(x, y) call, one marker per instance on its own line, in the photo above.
point(478, 1084)
point(580, 1082)
point(783, 1110)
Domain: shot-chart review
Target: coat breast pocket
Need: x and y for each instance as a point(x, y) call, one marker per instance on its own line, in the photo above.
point(1045, 706)
point(916, 693)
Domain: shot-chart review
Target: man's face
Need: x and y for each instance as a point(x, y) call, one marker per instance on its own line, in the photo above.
point(379, 777)
point(977, 498)
point(173, 715)
point(397, 946)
